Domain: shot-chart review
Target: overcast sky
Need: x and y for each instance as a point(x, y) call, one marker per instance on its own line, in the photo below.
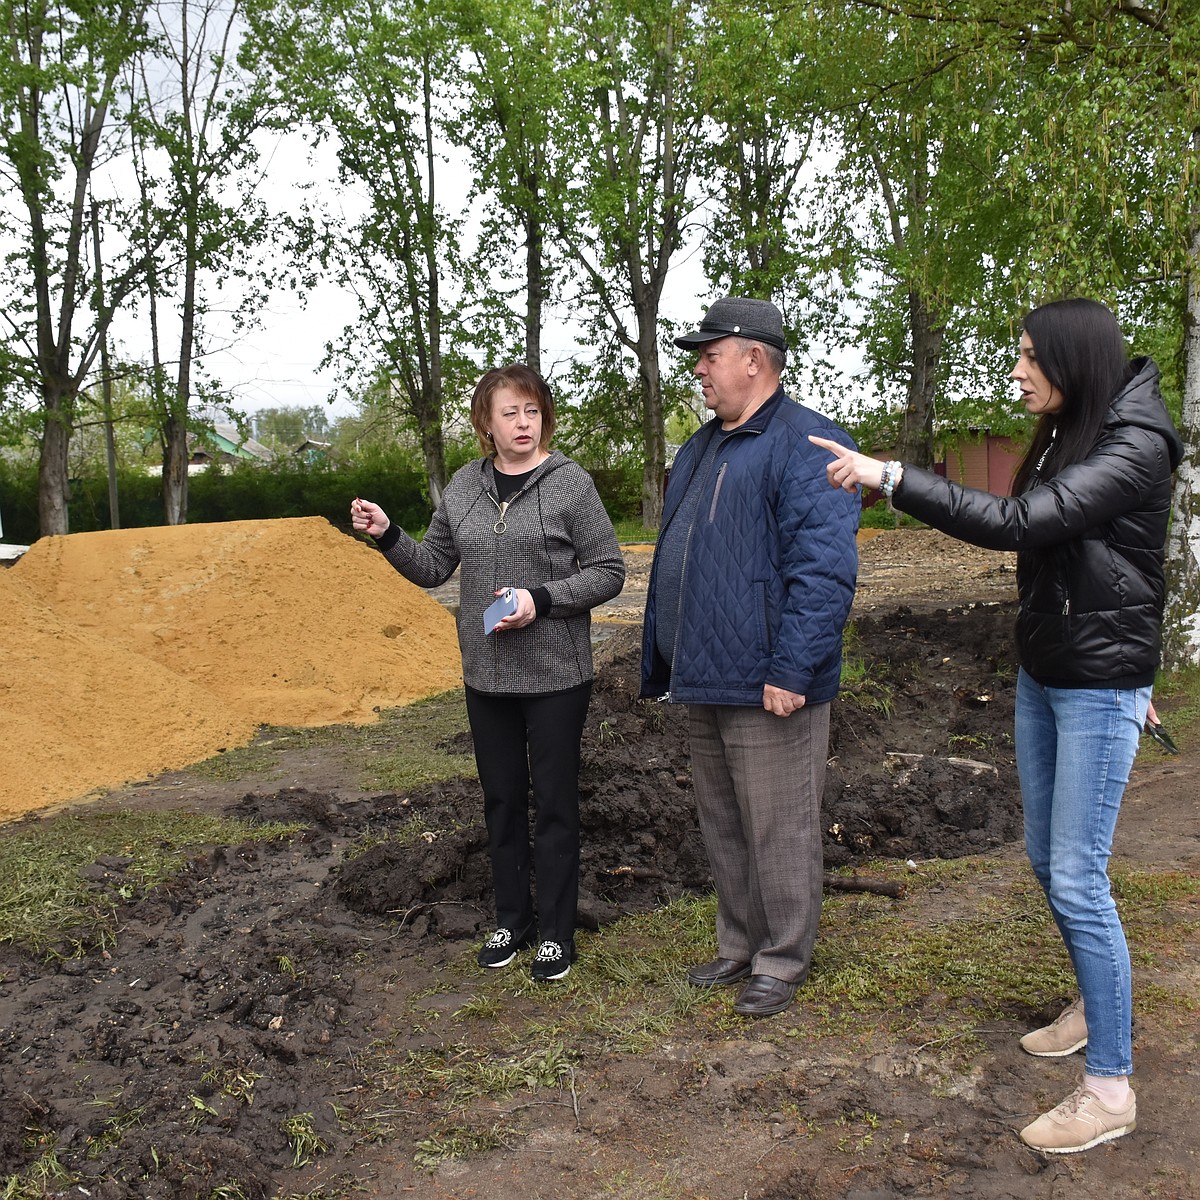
point(278, 365)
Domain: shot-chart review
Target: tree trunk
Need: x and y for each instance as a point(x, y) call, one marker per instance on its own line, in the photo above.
point(175, 458)
point(175, 465)
point(535, 282)
point(654, 443)
point(1181, 621)
point(926, 337)
point(427, 410)
point(53, 477)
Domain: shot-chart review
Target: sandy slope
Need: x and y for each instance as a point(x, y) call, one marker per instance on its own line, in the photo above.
point(126, 653)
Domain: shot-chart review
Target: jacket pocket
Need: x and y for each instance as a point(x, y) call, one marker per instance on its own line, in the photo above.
point(716, 496)
point(762, 608)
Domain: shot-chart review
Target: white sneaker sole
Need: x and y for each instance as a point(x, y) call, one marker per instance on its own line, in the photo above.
point(1107, 1136)
point(493, 966)
point(1079, 1045)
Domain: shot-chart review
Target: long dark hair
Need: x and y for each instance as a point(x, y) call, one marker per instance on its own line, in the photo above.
point(1081, 351)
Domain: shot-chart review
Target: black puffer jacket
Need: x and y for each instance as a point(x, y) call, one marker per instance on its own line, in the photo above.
point(1090, 545)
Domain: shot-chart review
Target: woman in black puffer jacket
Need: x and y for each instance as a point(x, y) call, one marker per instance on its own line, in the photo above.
point(1088, 519)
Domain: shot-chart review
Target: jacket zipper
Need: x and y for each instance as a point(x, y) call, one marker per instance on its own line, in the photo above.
point(502, 506)
point(712, 508)
point(687, 547)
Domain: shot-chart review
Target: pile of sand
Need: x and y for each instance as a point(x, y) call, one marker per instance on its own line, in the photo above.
point(127, 653)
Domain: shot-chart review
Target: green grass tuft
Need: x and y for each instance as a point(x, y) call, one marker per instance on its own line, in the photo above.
point(457, 1142)
point(46, 907)
point(630, 532)
point(420, 744)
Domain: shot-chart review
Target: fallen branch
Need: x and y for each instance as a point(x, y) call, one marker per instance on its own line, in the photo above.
point(635, 872)
point(857, 883)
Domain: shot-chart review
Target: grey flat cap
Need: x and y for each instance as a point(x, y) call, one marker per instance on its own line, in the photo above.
point(738, 316)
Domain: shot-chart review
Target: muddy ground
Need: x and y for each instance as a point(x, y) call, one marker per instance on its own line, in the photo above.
point(282, 982)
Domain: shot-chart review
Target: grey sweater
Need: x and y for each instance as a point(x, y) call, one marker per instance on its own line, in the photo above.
point(554, 534)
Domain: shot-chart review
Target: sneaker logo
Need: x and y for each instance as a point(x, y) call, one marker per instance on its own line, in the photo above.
point(500, 938)
point(549, 952)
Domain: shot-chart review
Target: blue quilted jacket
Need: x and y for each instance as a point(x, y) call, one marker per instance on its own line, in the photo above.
point(769, 568)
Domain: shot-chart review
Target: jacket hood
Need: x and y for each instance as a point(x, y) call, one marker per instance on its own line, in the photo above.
point(1140, 403)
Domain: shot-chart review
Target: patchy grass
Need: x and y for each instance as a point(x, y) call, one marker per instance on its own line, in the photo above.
point(259, 758)
point(45, 1177)
point(410, 747)
point(301, 1133)
point(420, 744)
point(634, 533)
point(862, 684)
point(457, 1142)
point(970, 943)
point(47, 907)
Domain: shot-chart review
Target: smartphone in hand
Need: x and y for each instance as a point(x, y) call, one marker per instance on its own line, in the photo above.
point(503, 606)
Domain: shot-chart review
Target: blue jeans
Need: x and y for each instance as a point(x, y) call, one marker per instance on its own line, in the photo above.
point(1075, 747)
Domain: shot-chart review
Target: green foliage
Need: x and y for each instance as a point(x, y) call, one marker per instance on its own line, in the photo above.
point(881, 515)
point(629, 531)
point(287, 487)
point(620, 488)
point(301, 1133)
point(377, 76)
point(283, 429)
point(292, 488)
point(18, 500)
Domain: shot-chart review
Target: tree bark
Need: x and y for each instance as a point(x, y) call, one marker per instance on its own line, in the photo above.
point(175, 456)
point(654, 442)
point(1181, 621)
point(535, 282)
point(433, 449)
point(54, 489)
point(926, 336)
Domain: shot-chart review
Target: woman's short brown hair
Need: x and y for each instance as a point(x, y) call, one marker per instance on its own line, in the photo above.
point(525, 382)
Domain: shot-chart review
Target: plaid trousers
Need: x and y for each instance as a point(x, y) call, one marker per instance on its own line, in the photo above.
point(758, 781)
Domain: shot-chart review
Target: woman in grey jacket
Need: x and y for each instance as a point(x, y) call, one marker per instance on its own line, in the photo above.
point(1088, 520)
point(526, 524)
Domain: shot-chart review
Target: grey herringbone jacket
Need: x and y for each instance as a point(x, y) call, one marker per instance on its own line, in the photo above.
point(554, 534)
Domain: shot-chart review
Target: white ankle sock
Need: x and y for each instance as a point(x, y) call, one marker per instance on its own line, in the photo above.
point(1112, 1091)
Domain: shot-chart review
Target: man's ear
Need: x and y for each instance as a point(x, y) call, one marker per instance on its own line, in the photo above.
point(756, 359)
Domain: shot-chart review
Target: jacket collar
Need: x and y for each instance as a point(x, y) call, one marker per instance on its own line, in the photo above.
point(756, 423)
point(552, 463)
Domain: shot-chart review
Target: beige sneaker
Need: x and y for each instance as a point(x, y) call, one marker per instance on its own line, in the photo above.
point(1064, 1035)
point(1080, 1122)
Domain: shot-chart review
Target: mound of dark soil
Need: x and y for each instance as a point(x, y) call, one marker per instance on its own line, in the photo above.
point(921, 766)
point(233, 1009)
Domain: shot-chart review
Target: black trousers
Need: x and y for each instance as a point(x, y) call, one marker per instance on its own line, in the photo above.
point(521, 740)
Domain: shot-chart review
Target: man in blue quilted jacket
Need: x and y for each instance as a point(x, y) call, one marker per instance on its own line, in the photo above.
point(751, 585)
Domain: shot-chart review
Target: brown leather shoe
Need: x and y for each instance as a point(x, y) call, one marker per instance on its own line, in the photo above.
point(717, 972)
point(764, 996)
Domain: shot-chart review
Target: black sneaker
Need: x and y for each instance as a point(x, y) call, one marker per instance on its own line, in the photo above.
point(501, 948)
point(553, 961)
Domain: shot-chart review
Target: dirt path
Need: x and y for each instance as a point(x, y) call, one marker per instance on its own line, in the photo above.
point(277, 982)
